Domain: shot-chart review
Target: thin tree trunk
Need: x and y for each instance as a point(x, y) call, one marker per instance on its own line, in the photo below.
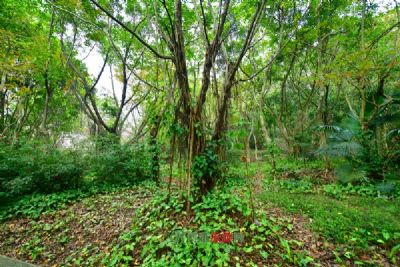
point(48, 86)
point(247, 147)
point(49, 93)
point(171, 163)
point(268, 142)
point(255, 147)
point(361, 79)
point(2, 102)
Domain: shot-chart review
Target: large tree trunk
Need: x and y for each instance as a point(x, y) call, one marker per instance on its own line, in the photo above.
point(191, 118)
point(195, 138)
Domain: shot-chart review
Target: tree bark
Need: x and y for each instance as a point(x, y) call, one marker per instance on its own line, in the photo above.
point(2, 102)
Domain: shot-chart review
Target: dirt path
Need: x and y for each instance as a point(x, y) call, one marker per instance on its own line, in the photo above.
point(78, 235)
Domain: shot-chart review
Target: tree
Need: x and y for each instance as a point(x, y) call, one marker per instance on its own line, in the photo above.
point(171, 31)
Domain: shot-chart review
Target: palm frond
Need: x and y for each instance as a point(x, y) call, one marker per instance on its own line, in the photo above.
point(328, 128)
point(393, 133)
point(347, 173)
point(384, 119)
point(343, 136)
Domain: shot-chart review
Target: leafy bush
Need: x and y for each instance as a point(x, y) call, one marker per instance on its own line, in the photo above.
point(368, 189)
point(297, 186)
point(34, 167)
point(123, 164)
point(206, 167)
point(365, 157)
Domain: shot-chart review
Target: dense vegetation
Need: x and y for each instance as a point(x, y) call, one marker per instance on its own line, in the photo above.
point(200, 133)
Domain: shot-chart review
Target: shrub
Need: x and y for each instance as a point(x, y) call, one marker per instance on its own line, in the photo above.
point(34, 167)
point(115, 163)
point(383, 189)
point(297, 186)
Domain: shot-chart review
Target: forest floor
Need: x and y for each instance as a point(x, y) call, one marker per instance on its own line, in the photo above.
point(299, 227)
point(74, 235)
point(354, 230)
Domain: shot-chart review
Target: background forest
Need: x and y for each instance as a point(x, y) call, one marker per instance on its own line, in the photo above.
point(294, 104)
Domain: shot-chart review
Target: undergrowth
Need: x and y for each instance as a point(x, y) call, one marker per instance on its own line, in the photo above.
point(358, 224)
point(339, 190)
point(31, 167)
point(219, 231)
point(32, 206)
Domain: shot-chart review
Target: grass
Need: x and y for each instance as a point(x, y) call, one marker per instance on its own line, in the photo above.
point(364, 228)
point(360, 220)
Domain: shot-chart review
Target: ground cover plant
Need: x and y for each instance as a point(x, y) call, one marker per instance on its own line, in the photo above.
point(361, 219)
point(281, 227)
point(200, 133)
point(74, 234)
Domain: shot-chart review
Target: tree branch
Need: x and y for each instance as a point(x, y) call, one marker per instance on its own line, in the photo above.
point(123, 25)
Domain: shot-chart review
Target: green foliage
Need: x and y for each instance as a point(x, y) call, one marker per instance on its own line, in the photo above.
point(360, 151)
point(295, 178)
point(337, 190)
point(164, 234)
point(35, 167)
point(385, 189)
point(297, 166)
point(115, 163)
point(33, 247)
point(210, 215)
point(341, 143)
point(212, 208)
point(297, 186)
point(33, 205)
point(206, 165)
point(356, 222)
point(347, 172)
